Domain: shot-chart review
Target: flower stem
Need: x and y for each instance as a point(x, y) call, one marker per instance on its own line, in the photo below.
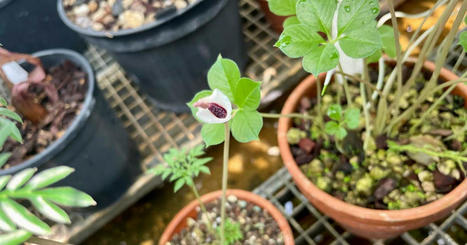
point(290, 115)
point(201, 205)
point(224, 179)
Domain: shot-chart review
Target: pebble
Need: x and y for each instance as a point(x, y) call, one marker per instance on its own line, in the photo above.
point(180, 4)
point(92, 5)
point(274, 151)
point(81, 10)
point(131, 19)
point(242, 203)
point(257, 209)
point(232, 198)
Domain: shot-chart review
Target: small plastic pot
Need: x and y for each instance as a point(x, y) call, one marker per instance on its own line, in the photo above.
point(170, 57)
point(366, 222)
point(96, 145)
point(28, 26)
point(179, 222)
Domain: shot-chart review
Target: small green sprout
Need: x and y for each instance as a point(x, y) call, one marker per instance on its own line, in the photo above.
point(233, 232)
point(340, 120)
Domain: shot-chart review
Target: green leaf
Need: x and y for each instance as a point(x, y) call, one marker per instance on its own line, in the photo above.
point(355, 14)
point(204, 169)
point(179, 184)
point(317, 14)
point(4, 180)
point(282, 7)
point(50, 210)
point(333, 128)
point(10, 114)
point(23, 218)
point(335, 112)
point(361, 43)
point(5, 223)
point(11, 130)
point(298, 40)
point(247, 95)
point(4, 158)
point(3, 102)
point(321, 59)
point(463, 40)
point(374, 57)
point(198, 96)
point(213, 134)
point(67, 196)
point(292, 20)
point(224, 75)
point(48, 177)
point(387, 40)
point(15, 237)
point(246, 125)
point(20, 178)
point(352, 118)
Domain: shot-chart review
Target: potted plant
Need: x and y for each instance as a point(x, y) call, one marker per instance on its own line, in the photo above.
point(400, 163)
point(164, 45)
point(66, 120)
point(17, 223)
point(226, 216)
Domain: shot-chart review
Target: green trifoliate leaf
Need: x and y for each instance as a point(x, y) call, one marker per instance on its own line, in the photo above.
point(292, 20)
point(4, 180)
point(246, 125)
point(333, 128)
point(198, 96)
point(48, 177)
point(10, 114)
point(298, 40)
point(179, 184)
point(213, 134)
point(335, 112)
point(463, 40)
point(15, 237)
point(282, 7)
point(374, 57)
point(317, 14)
point(50, 210)
point(321, 59)
point(355, 14)
point(247, 95)
point(20, 178)
point(23, 218)
point(5, 223)
point(224, 75)
point(352, 118)
point(361, 43)
point(67, 196)
point(387, 39)
point(4, 158)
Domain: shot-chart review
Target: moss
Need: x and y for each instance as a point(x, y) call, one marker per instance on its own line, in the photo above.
point(364, 185)
point(294, 135)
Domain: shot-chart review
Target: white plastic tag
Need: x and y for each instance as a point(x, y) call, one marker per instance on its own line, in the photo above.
point(14, 72)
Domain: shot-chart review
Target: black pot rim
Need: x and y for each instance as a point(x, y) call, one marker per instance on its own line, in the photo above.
point(77, 123)
point(124, 32)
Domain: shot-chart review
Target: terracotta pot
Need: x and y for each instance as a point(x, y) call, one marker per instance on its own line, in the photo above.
point(180, 220)
point(365, 222)
point(275, 21)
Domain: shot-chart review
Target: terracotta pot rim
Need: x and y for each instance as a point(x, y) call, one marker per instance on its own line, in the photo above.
point(375, 215)
point(240, 194)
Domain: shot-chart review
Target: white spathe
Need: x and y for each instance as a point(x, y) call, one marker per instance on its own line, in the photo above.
point(219, 98)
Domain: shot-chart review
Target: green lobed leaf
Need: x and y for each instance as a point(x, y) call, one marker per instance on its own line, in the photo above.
point(321, 59)
point(179, 184)
point(20, 178)
point(352, 118)
point(11, 130)
point(213, 134)
point(317, 14)
point(282, 7)
point(5, 223)
point(10, 114)
point(224, 75)
point(198, 96)
point(247, 94)
point(355, 14)
point(335, 112)
point(292, 20)
point(463, 40)
point(23, 218)
point(333, 128)
point(298, 40)
point(387, 40)
point(4, 180)
point(361, 43)
point(4, 158)
point(15, 237)
point(246, 126)
point(204, 169)
point(67, 196)
point(48, 177)
point(50, 210)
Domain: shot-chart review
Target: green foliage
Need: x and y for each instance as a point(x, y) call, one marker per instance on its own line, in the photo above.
point(350, 118)
point(282, 7)
point(16, 221)
point(233, 232)
point(8, 120)
point(357, 33)
point(463, 40)
point(246, 125)
point(292, 20)
point(182, 166)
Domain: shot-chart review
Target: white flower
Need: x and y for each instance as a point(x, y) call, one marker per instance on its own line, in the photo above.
point(215, 108)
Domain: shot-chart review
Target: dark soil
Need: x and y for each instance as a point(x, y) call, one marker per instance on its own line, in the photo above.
point(70, 82)
point(257, 226)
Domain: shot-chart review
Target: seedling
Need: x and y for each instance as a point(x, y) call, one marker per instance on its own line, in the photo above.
point(340, 121)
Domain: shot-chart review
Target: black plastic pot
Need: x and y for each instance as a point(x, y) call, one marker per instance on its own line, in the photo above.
point(171, 56)
point(28, 26)
point(96, 145)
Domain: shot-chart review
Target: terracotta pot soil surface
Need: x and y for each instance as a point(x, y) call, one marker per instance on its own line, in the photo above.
point(259, 221)
point(114, 15)
point(71, 84)
point(423, 187)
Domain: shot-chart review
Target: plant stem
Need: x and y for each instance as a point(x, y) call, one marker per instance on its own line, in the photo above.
point(290, 115)
point(225, 172)
point(366, 82)
point(44, 241)
point(458, 62)
point(365, 108)
point(346, 86)
point(201, 205)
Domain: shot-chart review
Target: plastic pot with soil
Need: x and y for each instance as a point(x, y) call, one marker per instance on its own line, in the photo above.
point(66, 120)
point(163, 47)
